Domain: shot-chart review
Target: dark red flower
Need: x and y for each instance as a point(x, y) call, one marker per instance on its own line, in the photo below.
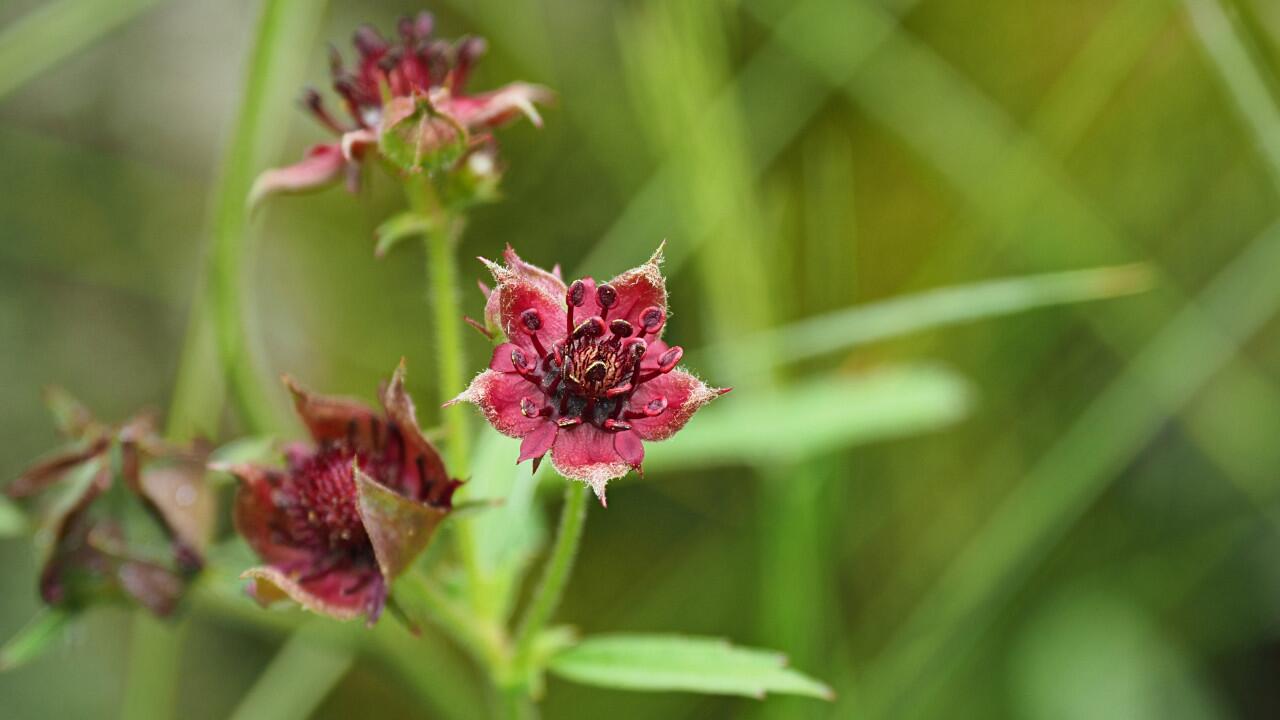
point(407, 100)
point(98, 547)
point(348, 514)
point(584, 373)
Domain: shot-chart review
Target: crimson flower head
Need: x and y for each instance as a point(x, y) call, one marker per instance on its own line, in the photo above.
point(584, 373)
point(348, 513)
point(126, 515)
point(407, 101)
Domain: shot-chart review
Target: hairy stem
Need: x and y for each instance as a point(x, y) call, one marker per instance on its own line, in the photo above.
point(555, 576)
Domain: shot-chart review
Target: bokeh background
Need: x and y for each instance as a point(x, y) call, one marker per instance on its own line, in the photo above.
point(1063, 512)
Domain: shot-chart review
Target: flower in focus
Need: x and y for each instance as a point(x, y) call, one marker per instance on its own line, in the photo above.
point(348, 514)
point(407, 101)
point(141, 540)
point(584, 373)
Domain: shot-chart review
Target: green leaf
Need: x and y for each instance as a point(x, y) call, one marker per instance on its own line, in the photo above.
point(33, 638)
point(254, 449)
point(398, 227)
point(816, 416)
point(12, 520)
point(680, 663)
point(852, 327)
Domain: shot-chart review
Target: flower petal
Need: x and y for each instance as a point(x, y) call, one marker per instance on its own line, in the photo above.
point(333, 418)
point(537, 443)
point(322, 165)
point(640, 288)
point(501, 360)
point(258, 518)
point(497, 107)
point(498, 396)
point(586, 453)
point(629, 448)
point(399, 528)
point(183, 500)
point(154, 587)
point(516, 292)
point(422, 471)
point(684, 394)
point(339, 594)
point(52, 469)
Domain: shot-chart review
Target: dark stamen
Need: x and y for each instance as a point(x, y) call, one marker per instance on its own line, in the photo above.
point(620, 327)
point(606, 296)
point(651, 320)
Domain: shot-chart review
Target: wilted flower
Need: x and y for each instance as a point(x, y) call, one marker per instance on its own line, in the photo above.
point(406, 101)
point(348, 514)
point(584, 373)
point(140, 540)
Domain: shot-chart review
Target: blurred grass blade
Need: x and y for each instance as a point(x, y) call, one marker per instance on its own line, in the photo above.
point(816, 416)
point(47, 35)
point(12, 520)
point(680, 663)
point(298, 678)
point(1231, 56)
point(868, 323)
point(1197, 343)
point(34, 637)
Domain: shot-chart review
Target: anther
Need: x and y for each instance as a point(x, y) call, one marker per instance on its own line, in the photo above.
point(574, 297)
point(591, 327)
point(596, 371)
point(615, 425)
point(621, 328)
point(566, 422)
point(606, 296)
point(577, 293)
point(527, 408)
point(668, 359)
point(656, 406)
point(518, 359)
point(652, 318)
point(531, 320)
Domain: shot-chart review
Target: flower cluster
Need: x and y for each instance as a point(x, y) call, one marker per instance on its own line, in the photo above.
point(584, 373)
point(348, 513)
point(407, 102)
point(118, 500)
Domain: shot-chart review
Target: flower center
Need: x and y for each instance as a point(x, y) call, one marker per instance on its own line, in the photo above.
point(320, 503)
point(591, 374)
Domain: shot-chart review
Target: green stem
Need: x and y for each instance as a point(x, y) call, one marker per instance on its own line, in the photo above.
point(444, 230)
point(308, 659)
point(425, 602)
point(155, 652)
point(555, 575)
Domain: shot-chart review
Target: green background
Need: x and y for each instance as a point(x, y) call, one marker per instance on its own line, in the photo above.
point(1082, 525)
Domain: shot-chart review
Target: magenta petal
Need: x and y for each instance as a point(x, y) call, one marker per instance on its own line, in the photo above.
point(342, 593)
point(586, 453)
point(516, 293)
point(498, 106)
point(501, 360)
point(322, 165)
point(537, 443)
point(684, 394)
point(640, 288)
point(629, 448)
point(499, 397)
